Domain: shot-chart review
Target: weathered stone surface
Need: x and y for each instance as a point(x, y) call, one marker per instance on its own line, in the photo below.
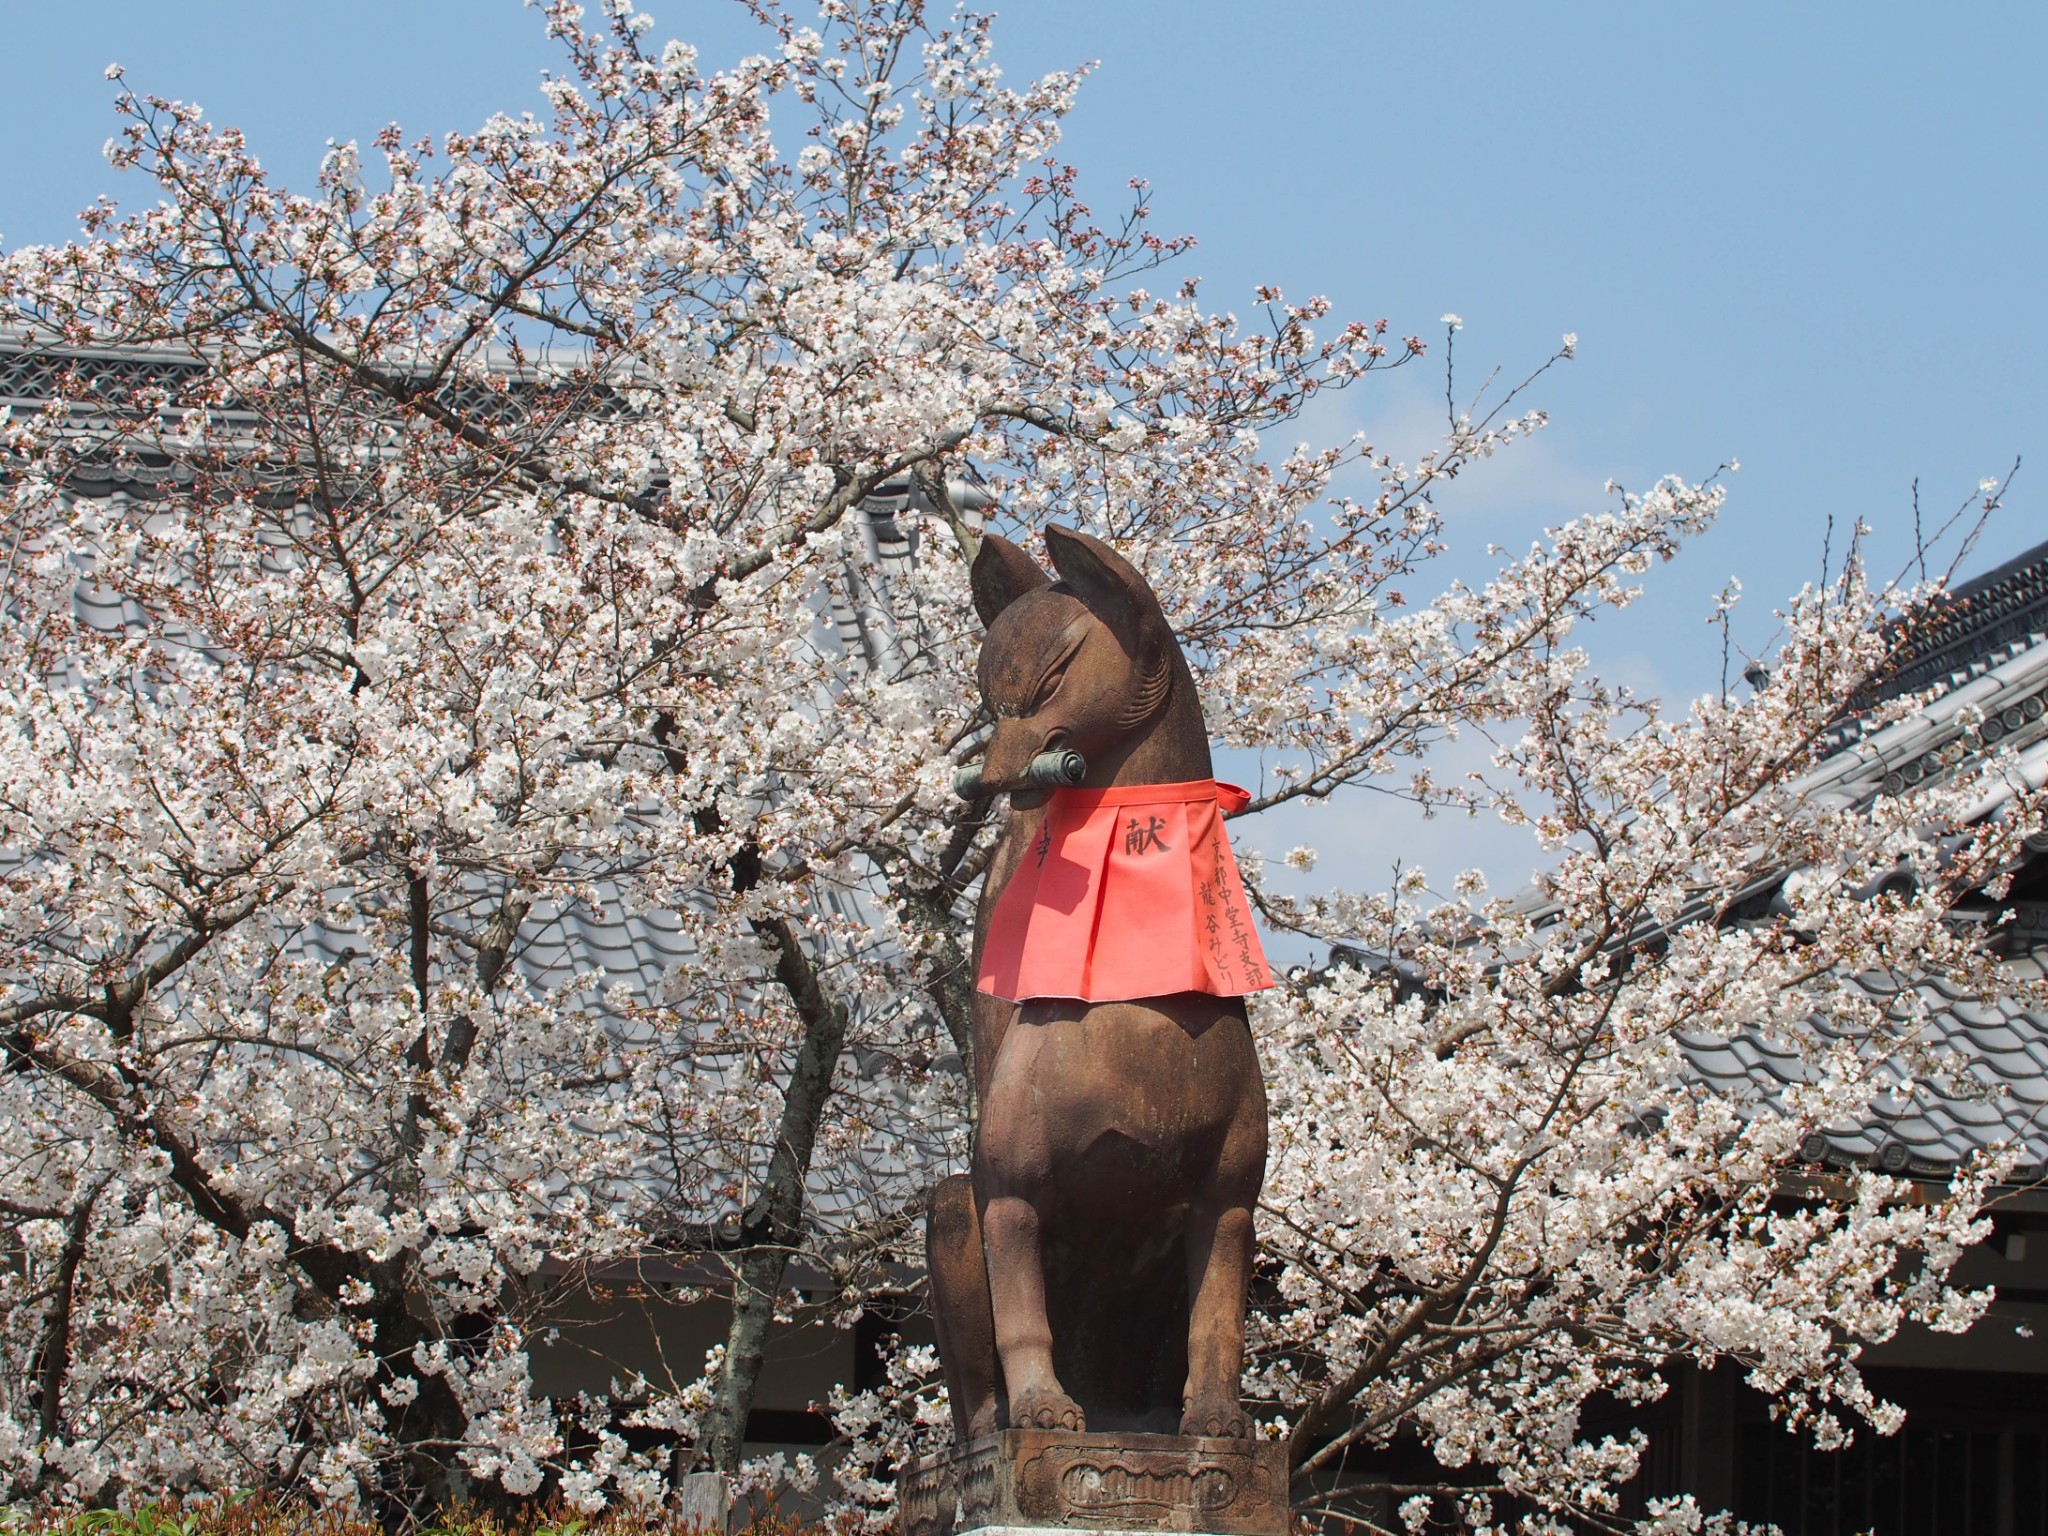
point(1060, 1480)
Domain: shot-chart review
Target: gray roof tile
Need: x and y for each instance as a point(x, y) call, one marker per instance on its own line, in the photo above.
point(1974, 1013)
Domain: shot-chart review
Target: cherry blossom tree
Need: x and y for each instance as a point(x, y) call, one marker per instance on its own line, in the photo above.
point(502, 489)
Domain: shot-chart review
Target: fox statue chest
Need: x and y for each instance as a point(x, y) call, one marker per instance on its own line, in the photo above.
point(1062, 1074)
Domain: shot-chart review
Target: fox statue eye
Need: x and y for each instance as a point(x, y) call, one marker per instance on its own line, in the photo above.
point(1049, 684)
point(1041, 695)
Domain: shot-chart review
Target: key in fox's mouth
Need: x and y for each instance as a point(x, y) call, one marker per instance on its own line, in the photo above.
point(1061, 769)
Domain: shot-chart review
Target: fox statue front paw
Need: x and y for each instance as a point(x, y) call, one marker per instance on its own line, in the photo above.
point(1214, 1421)
point(1046, 1410)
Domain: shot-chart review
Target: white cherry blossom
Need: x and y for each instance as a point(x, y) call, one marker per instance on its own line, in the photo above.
point(501, 558)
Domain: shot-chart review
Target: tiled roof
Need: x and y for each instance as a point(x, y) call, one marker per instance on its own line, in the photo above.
point(33, 375)
point(634, 949)
point(1996, 1088)
point(1983, 656)
point(1986, 647)
point(1974, 620)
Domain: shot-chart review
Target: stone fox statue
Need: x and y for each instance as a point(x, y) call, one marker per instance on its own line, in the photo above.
point(1090, 1272)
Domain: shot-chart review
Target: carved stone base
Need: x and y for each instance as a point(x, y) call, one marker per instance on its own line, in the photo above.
point(1117, 1482)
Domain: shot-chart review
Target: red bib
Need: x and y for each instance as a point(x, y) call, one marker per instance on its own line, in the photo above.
point(1127, 893)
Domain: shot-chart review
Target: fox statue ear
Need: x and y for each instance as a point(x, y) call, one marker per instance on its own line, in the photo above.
point(1001, 574)
point(1119, 595)
point(1111, 587)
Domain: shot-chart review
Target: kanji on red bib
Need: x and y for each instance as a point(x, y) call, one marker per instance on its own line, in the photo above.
point(1127, 893)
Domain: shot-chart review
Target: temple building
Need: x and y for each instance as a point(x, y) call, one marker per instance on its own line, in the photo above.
point(1973, 1455)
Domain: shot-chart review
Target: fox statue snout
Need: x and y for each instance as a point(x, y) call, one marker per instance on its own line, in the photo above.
point(1091, 1270)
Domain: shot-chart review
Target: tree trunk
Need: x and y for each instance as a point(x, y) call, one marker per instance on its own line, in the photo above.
point(53, 1359)
point(773, 1224)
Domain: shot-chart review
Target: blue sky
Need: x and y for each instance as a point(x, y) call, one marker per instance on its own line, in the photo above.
point(1806, 237)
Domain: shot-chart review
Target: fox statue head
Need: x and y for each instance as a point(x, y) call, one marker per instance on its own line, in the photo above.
point(1083, 664)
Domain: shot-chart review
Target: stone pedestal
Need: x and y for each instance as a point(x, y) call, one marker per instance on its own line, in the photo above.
point(1054, 1479)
